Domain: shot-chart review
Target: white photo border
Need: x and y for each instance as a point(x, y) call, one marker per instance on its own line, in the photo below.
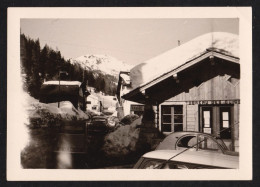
point(15, 95)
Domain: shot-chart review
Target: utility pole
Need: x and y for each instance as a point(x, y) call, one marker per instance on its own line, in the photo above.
point(84, 91)
point(60, 72)
point(59, 83)
point(59, 91)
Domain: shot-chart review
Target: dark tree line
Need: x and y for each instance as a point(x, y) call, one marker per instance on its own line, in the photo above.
point(39, 65)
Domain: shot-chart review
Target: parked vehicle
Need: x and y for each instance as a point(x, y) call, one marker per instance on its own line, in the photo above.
point(98, 124)
point(189, 150)
point(176, 159)
point(202, 141)
point(112, 121)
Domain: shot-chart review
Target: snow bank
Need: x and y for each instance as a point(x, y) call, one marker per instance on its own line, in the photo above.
point(226, 43)
point(123, 140)
point(128, 142)
point(44, 115)
point(127, 120)
point(66, 110)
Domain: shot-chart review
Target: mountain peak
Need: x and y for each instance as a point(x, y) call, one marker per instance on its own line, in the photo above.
point(104, 63)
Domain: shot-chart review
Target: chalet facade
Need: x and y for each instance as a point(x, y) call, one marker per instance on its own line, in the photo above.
point(200, 91)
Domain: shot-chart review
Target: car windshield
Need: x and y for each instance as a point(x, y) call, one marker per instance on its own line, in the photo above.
point(160, 164)
point(187, 141)
point(204, 143)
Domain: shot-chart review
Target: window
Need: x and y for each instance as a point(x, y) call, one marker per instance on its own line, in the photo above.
point(207, 120)
point(225, 123)
point(172, 118)
point(187, 142)
point(137, 109)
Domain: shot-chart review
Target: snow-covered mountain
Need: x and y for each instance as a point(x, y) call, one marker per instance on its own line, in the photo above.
point(104, 63)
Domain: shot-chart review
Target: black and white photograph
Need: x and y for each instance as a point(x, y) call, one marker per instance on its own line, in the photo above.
point(123, 90)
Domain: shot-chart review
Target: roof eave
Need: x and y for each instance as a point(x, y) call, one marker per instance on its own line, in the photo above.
point(193, 61)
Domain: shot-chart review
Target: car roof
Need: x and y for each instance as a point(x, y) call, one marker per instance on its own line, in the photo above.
point(170, 140)
point(189, 132)
point(196, 157)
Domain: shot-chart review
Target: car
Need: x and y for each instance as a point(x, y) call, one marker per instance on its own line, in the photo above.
point(178, 159)
point(195, 140)
point(112, 121)
point(98, 124)
point(190, 150)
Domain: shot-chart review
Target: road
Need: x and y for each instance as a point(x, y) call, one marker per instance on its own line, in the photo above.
point(70, 147)
point(79, 149)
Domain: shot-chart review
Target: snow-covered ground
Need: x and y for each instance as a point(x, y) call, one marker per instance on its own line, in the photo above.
point(226, 43)
point(108, 102)
point(48, 114)
point(50, 111)
point(106, 64)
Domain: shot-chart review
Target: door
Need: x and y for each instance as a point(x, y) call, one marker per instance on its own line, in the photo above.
point(216, 120)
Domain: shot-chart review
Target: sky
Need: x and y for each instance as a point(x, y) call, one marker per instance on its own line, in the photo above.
point(132, 41)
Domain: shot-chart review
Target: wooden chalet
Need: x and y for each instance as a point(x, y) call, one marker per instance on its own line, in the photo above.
point(198, 93)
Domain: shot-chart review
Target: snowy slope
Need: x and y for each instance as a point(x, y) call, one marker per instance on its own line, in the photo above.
point(226, 43)
point(104, 63)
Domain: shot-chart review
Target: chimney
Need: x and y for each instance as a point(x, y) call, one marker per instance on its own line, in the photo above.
point(179, 42)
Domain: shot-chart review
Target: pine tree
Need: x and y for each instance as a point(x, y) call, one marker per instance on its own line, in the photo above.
point(42, 61)
point(38, 64)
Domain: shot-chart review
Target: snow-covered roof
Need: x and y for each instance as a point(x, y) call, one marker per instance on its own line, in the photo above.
point(224, 43)
point(71, 83)
point(125, 78)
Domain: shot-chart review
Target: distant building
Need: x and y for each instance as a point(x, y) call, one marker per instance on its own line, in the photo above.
point(126, 107)
point(193, 87)
point(93, 103)
point(57, 91)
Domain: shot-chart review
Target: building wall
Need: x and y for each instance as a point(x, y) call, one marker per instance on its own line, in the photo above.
point(236, 127)
point(221, 88)
point(217, 88)
point(124, 107)
point(192, 119)
point(94, 101)
point(127, 106)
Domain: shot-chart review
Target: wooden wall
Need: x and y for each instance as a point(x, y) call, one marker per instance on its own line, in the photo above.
point(217, 88)
point(203, 81)
point(236, 127)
